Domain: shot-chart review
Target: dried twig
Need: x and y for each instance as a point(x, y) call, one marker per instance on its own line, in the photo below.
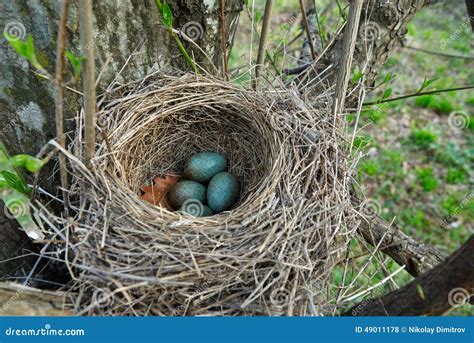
point(58, 82)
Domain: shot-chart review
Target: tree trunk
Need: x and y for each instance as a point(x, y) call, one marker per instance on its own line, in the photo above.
point(449, 284)
point(383, 26)
point(122, 28)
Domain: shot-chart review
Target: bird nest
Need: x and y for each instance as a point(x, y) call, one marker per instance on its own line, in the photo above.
point(271, 254)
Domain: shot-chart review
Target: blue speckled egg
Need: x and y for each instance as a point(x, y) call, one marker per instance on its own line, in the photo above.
point(203, 166)
point(185, 190)
point(222, 192)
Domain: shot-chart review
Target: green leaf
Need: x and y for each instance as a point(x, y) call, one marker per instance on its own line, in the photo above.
point(34, 164)
point(19, 206)
point(427, 82)
point(387, 78)
point(386, 93)
point(158, 4)
point(25, 49)
point(420, 291)
point(15, 182)
point(357, 75)
point(20, 160)
point(258, 15)
point(3, 183)
point(30, 163)
point(76, 63)
point(167, 15)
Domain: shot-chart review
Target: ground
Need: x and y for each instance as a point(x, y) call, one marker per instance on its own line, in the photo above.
point(418, 152)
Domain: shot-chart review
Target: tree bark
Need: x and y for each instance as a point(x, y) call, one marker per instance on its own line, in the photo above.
point(449, 284)
point(121, 28)
point(417, 257)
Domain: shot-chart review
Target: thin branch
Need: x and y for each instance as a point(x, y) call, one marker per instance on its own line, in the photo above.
point(87, 43)
point(178, 42)
point(308, 31)
point(436, 53)
point(318, 22)
point(58, 82)
point(183, 50)
point(223, 40)
point(263, 40)
point(437, 91)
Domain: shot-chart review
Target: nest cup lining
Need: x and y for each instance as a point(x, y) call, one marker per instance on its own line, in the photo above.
point(167, 142)
point(272, 254)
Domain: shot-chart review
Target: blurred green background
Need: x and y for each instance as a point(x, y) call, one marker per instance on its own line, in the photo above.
point(418, 152)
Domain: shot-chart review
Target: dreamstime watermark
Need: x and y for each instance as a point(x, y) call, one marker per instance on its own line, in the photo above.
point(369, 32)
point(45, 331)
point(370, 208)
point(9, 126)
point(458, 296)
point(197, 289)
point(193, 30)
point(463, 27)
point(15, 30)
point(15, 208)
point(193, 207)
point(102, 297)
point(10, 302)
point(458, 120)
point(448, 219)
point(284, 28)
point(280, 297)
point(376, 293)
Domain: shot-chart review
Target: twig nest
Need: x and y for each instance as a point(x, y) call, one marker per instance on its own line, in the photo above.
point(285, 234)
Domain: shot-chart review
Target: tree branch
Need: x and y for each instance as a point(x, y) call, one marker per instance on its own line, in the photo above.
point(348, 46)
point(449, 284)
point(263, 40)
point(417, 257)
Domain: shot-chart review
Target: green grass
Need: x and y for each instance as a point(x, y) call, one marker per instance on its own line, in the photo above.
point(426, 179)
point(423, 138)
